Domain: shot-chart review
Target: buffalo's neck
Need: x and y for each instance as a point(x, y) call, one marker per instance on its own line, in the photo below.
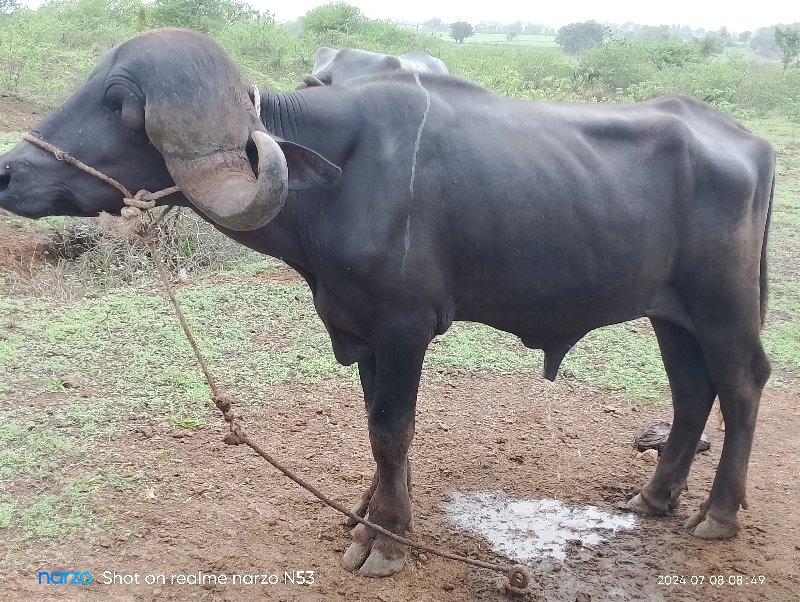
point(322, 119)
point(284, 113)
point(287, 237)
point(290, 236)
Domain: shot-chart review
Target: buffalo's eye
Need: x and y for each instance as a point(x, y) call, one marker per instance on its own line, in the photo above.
point(128, 105)
point(132, 113)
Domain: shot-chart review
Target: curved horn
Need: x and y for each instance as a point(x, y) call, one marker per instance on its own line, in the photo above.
point(222, 185)
point(200, 117)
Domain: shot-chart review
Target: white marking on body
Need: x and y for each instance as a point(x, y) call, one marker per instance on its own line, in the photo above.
point(407, 237)
point(257, 101)
point(419, 133)
point(406, 245)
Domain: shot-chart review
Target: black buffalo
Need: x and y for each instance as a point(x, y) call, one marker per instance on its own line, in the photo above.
point(333, 67)
point(546, 220)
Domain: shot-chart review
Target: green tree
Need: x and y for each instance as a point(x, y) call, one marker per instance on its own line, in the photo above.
point(788, 41)
point(460, 30)
point(665, 55)
point(577, 37)
point(652, 33)
point(710, 44)
point(432, 25)
point(763, 43)
point(338, 16)
point(535, 28)
point(202, 15)
point(8, 6)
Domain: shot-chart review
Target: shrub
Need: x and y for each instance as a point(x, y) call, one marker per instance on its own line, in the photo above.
point(514, 71)
point(266, 53)
point(202, 15)
point(91, 256)
point(338, 17)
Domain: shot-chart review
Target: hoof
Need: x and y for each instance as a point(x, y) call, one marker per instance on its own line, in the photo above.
point(694, 520)
point(355, 556)
point(373, 556)
point(380, 565)
point(711, 528)
point(639, 505)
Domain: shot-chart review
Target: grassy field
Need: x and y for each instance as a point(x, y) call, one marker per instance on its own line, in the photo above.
point(493, 39)
point(7, 140)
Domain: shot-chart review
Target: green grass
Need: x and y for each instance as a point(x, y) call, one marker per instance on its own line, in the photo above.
point(622, 359)
point(130, 344)
point(783, 344)
point(51, 516)
point(33, 449)
point(782, 334)
point(8, 508)
point(8, 140)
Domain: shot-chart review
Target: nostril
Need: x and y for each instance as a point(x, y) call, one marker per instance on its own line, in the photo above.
point(5, 179)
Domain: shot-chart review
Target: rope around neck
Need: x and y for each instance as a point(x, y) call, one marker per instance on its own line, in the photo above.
point(518, 577)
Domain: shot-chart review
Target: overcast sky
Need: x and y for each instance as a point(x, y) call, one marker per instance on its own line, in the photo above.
point(710, 14)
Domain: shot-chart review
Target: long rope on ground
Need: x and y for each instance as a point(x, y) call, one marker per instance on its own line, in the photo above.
point(518, 577)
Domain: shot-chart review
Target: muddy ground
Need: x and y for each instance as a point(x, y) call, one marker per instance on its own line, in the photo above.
point(219, 509)
point(19, 115)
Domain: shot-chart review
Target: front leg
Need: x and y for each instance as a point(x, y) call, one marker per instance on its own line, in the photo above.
point(390, 412)
point(366, 372)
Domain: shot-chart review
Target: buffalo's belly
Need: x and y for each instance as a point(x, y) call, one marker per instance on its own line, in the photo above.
point(527, 311)
point(568, 286)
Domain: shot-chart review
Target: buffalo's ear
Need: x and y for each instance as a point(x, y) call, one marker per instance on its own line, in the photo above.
point(306, 167)
point(312, 81)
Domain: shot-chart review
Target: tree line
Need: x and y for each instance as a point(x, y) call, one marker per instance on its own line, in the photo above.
point(775, 42)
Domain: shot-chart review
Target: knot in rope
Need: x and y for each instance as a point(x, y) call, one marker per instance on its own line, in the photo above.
point(134, 206)
point(223, 401)
point(133, 215)
point(236, 436)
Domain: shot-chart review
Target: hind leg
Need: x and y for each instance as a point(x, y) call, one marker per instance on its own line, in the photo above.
point(739, 369)
point(693, 394)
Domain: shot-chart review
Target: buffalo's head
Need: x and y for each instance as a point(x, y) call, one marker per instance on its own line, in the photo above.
point(166, 106)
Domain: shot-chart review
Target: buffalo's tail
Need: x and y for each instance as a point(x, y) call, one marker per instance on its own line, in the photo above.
point(764, 294)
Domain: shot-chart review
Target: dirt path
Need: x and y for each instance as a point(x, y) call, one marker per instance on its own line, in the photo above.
point(218, 510)
point(18, 115)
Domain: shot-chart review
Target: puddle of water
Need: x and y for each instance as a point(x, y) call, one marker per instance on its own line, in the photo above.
point(526, 529)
